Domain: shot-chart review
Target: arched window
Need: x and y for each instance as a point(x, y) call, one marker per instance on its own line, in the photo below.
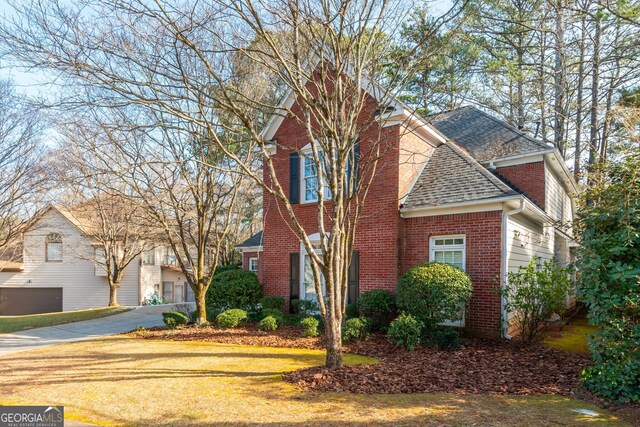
point(54, 247)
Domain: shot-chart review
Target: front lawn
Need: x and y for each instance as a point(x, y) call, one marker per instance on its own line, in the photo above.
point(10, 324)
point(129, 381)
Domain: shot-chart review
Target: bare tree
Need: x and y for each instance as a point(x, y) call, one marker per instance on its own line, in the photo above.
point(101, 204)
point(22, 175)
point(195, 117)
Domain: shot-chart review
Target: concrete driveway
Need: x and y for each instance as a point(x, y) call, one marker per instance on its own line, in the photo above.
point(87, 329)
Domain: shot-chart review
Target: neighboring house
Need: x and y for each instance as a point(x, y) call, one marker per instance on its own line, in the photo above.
point(251, 253)
point(58, 271)
point(459, 187)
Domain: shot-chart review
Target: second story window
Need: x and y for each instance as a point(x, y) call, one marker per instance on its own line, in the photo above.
point(53, 247)
point(310, 180)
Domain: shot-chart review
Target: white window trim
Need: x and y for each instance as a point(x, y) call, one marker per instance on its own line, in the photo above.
point(253, 258)
point(304, 152)
point(432, 249)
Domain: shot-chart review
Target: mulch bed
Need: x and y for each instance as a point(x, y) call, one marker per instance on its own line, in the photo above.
point(480, 366)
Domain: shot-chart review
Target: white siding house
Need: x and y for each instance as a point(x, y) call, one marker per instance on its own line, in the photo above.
point(57, 254)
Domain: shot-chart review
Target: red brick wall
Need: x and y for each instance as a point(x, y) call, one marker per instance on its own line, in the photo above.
point(482, 231)
point(528, 178)
point(377, 237)
point(245, 263)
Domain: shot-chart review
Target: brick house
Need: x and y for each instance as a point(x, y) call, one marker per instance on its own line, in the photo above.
point(460, 187)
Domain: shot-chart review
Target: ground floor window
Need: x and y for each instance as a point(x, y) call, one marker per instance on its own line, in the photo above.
point(174, 292)
point(450, 250)
point(253, 264)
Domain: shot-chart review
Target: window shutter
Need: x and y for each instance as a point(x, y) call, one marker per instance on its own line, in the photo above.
point(294, 178)
point(294, 278)
point(352, 281)
point(352, 167)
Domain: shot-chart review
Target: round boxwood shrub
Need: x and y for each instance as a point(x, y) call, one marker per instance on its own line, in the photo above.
point(310, 327)
point(174, 318)
point(231, 318)
point(379, 306)
point(269, 323)
point(272, 312)
point(355, 329)
point(234, 289)
point(433, 293)
point(405, 332)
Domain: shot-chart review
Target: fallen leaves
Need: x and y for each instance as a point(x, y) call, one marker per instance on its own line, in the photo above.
point(479, 367)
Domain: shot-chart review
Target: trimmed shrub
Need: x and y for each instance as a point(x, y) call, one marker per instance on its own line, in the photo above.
point(355, 329)
point(234, 289)
point(212, 313)
point(304, 307)
point(269, 323)
point(310, 327)
point(433, 293)
point(174, 318)
point(231, 318)
point(379, 306)
point(351, 311)
point(446, 337)
point(404, 331)
point(272, 312)
point(227, 267)
point(276, 303)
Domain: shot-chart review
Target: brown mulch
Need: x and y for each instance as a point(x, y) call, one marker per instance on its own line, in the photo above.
point(480, 366)
point(287, 336)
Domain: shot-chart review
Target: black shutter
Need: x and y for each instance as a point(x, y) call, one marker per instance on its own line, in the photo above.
point(352, 167)
point(294, 178)
point(294, 278)
point(352, 280)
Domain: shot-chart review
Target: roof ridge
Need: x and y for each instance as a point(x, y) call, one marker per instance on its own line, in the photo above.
point(451, 110)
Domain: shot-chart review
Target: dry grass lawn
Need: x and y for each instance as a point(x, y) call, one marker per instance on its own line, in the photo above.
point(128, 381)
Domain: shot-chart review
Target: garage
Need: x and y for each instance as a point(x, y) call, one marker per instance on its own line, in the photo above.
point(19, 301)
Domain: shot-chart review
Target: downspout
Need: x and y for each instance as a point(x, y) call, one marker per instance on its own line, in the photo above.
point(503, 273)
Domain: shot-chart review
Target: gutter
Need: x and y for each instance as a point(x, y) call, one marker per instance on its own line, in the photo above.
point(417, 211)
point(503, 273)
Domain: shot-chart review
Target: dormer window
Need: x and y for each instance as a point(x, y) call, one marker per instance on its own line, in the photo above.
point(53, 244)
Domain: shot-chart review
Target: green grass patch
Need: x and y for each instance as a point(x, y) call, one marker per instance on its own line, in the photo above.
point(572, 337)
point(10, 324)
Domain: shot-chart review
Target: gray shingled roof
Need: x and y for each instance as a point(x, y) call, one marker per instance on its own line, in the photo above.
point(453, 176)
point(484, 136)
point(255, 240)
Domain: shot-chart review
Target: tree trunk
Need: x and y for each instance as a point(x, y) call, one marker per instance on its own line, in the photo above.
point(113, 295)
point(595, 91)
point(201, 305)
point(333, 330)
point(578, 142)
point(559, 80)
